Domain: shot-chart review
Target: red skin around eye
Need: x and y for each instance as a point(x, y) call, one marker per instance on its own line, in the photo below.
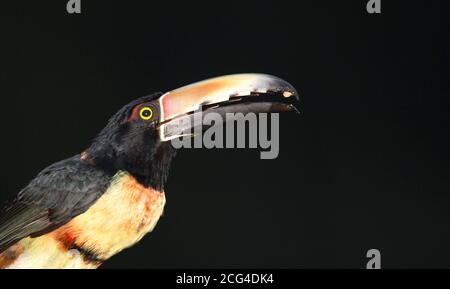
point(134, 113)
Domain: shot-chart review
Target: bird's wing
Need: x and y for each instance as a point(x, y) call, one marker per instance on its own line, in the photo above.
point(57, 194)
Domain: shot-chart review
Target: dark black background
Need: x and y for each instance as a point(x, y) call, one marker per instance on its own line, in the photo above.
point(366, 165)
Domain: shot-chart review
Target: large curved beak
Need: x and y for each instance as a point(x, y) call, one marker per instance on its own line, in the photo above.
point(226, 94)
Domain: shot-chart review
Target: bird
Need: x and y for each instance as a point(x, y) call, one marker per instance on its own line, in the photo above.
point(79, 212)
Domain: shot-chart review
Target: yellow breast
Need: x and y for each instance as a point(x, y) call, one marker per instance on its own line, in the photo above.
point(117, 220)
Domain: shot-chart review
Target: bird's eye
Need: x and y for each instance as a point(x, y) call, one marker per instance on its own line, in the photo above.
point(146, 113)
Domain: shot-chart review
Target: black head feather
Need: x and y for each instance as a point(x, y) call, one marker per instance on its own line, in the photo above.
point(134, 146)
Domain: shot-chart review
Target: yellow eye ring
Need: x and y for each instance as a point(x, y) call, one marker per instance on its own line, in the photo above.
point(146, 113)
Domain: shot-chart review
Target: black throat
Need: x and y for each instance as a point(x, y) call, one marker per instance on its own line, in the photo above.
point(149, 165)
point(155, 171)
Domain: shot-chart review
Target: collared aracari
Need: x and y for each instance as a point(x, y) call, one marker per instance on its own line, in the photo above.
point(79, 212)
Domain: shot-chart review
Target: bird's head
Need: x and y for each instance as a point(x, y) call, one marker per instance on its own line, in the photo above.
point(137, 138)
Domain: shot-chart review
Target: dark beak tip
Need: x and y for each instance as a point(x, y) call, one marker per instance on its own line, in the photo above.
point(287, 89)
point(292, 95)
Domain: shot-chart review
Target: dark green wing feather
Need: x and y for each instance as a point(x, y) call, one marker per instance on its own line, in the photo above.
point(57, 194)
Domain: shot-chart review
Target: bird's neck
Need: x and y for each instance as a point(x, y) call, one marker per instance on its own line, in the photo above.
point(150, 168)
